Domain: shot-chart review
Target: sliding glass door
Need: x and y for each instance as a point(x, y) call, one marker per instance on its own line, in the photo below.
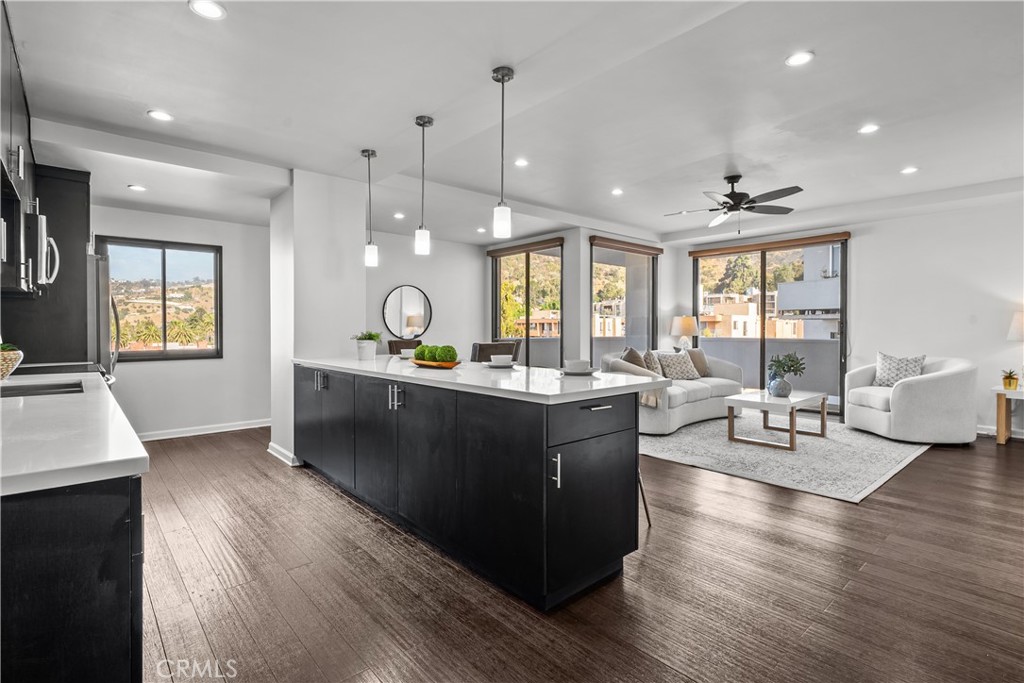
point(527, 300)
point(768, 300)
point(623, 301)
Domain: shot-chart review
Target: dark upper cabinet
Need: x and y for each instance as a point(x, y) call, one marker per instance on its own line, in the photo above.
point(376, 427)
point(428, 460)
point(16, 145)
point(308, 416)
point(591, 506)
point(338, 458)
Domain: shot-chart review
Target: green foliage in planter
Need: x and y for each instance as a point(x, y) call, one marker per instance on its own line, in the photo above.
point(8, 347)
point(1007, 374)
point(447, 354)
point(367, 336)
point(790, 364)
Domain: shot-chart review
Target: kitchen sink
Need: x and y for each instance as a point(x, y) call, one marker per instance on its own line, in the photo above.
point(49, 389)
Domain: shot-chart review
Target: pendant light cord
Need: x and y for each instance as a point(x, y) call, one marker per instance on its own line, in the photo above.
point(423, 175)
point(502, 187)
point(369, 199)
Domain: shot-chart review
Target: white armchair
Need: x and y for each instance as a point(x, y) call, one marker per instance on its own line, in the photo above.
point(938, 406)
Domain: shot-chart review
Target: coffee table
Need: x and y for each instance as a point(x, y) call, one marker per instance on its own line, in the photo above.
point(766, 403)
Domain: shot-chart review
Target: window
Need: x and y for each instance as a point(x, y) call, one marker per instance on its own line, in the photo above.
point(168, 298)
point(527, 295)
point(757, 301)
point(623, 302)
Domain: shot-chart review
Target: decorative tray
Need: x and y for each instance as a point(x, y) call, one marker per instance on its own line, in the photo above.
point(444, 365)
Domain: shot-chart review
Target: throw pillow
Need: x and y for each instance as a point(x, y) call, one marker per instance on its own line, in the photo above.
point(700, 361)
point(631, 355)
point(652, 364)
point(677, 366)
point(891, 369)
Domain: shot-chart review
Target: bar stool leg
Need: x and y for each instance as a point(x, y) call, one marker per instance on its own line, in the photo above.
point(643, 496)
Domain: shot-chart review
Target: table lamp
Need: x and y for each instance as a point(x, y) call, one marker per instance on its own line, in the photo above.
point(414, 323)
point(684, 327)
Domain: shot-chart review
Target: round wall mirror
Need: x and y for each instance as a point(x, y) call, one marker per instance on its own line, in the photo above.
point(407, 312)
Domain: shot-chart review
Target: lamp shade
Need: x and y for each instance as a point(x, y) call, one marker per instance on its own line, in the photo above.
point(684, 326)
point(370, 256)
point(414, 320)
point(422, 244)
point(502, 222)
point(1016, 332)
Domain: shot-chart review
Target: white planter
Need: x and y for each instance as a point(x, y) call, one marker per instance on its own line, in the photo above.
point(366, 349)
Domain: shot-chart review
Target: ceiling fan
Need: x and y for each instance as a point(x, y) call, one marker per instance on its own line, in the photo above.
point(732, 202)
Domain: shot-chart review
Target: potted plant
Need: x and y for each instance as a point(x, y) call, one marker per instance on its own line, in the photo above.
point(366, 344)
point(1009, 380)
point(10, 357)
point(780, 366)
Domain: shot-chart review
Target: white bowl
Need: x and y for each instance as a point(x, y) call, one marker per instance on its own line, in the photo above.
point(577, 365)
point(505, 359)
point(407, 353)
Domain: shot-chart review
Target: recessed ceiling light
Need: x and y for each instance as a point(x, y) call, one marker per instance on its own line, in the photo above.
point(136, 188)
point(522, 162)
point(868, 128)
point(399, 215)
point(208, 9)
point(159, 115)
point(481, 229)
point(799, 58)
point(617, 191)
point(908, 170)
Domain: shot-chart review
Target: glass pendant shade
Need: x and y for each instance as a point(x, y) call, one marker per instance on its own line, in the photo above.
point(502, 221)
point(370, 256)
point(422, 244)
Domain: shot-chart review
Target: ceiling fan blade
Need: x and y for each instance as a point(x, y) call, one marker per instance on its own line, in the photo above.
point(718, 198)
point(720, 218)
point(774, 194)
point(678, 213)
point(767, 208)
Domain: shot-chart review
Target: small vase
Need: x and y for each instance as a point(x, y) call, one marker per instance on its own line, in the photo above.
point(366, 349)
point(1010, 384)
point(780, 387)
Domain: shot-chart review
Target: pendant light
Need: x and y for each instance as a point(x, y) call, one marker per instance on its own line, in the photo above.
point(422, 244)
point(502, 214)
point(370, 251)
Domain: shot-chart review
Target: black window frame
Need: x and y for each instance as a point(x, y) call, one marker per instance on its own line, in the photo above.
point(104, 241)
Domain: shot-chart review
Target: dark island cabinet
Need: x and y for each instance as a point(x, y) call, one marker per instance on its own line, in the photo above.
point(541, 500)
point(324, 423)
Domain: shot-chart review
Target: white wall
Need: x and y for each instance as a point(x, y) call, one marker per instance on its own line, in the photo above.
point(451, 277)
point(942, 284)
point(282, 329)
point(172, 398)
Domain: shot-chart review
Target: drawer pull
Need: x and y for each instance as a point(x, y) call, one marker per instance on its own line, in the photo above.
point(595, 408)
point(558, 471)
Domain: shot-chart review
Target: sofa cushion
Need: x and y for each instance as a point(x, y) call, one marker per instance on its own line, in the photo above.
point(720, 386)
point(651, 361)
point(631, 355)
point(700, 361)
point(677, 366)
point(695, 391)
point(676, 396)
point(891, 369)
point(878, 398)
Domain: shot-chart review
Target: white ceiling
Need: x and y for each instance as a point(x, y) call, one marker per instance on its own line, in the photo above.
point(660, 99)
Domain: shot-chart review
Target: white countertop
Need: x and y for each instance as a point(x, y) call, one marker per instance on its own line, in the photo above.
point(66, 439)
point(538, 385)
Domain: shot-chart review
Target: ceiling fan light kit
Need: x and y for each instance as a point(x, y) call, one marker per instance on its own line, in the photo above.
point(421, 245)
point(370, 256)
point(502, 224)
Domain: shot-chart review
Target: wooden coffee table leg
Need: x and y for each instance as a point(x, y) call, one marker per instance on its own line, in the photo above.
point(732, 424)
point(1003, 418)
point(792, 429)
point(824, 413)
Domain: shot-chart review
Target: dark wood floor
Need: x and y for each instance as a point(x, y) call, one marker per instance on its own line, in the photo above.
point(270, 572)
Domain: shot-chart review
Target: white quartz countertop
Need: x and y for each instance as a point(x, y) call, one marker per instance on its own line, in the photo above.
point(539, 385)
point(65, 439)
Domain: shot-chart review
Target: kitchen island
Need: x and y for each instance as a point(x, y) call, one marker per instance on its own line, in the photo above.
point(525, 475)
point(70, 532)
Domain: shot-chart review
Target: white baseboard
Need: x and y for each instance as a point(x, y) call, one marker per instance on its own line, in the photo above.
point(283, 455)
point(203, 429)
point(990, 430)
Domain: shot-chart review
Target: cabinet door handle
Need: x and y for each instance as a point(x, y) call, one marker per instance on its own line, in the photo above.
point(398, 389)
point(558, 470)
point(316, 380)
point(391, 400)
point(594, 408)
point(323, 380)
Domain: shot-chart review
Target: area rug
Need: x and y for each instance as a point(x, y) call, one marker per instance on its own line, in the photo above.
point(846, 465)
